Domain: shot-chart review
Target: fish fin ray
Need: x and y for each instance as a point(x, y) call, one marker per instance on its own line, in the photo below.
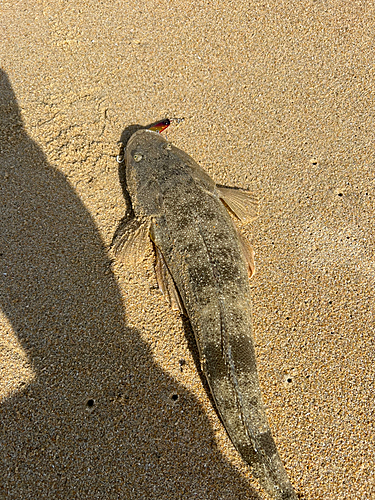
point(131, 240)
point(248, 252)
point(166, 284)
point(243, 204)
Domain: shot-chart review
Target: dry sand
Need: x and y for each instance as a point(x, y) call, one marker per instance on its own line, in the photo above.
point(277, 97)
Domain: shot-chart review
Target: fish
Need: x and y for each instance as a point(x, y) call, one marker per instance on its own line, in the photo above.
point(203, 265)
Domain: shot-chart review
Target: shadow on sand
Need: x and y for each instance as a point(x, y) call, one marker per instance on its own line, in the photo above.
point(93, 423)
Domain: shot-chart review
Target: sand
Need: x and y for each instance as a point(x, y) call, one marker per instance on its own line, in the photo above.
point(100, 393)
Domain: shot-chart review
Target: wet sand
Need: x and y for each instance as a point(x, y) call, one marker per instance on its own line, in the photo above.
point(100, 396)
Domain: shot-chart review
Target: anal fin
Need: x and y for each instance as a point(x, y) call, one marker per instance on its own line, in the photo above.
point(166, 283)
point(248, 252)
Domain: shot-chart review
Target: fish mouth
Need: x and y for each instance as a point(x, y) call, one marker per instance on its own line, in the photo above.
point(159, 126)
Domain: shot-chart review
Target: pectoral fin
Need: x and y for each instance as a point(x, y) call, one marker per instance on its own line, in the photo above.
point(131, 240)
point(248, 253)
point(243, 204)
point(166, 283)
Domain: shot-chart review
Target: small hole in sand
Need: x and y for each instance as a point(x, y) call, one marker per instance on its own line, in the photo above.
point(90, 403)
point(174, 397)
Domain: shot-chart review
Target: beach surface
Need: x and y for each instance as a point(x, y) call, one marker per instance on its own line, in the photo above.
point(100, 394)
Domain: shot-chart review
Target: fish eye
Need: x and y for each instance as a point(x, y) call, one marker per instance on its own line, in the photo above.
point(137, 157)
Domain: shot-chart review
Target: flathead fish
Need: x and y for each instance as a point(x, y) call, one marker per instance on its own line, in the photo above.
point(203, 264)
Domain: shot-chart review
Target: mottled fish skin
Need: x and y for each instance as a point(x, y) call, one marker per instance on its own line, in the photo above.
point(180, 204)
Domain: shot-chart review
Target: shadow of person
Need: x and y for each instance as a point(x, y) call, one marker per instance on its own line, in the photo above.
point(97, 420)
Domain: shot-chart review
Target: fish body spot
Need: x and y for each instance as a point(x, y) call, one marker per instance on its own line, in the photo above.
point(267, 443)
point(248, 453)
point(215, 361)
point(242, 352)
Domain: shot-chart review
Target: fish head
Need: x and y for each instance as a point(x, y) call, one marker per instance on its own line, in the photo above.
point(146, 153)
